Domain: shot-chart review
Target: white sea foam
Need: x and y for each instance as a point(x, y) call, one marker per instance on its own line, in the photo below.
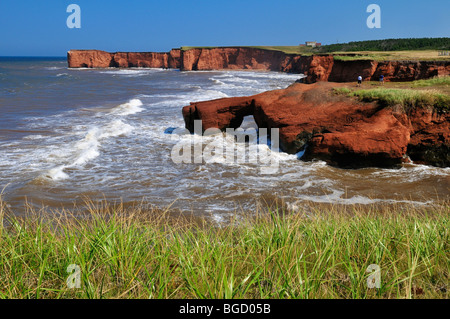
point(56, 174)
point(115, 128)
point(33, 137)
point(228, 86)
point(86, 149)
point(100, 150)
point(235, 79)
point(131, 107)
point(218, 81)
point(196, 96)
point(207, 94)
point(132, 72)
point(412, 172)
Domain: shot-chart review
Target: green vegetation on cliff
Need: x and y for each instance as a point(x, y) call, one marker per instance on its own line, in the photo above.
point(431, 93)
point(407, 99)
point(286, 49)
point(360, 52)
point(437, 81)
point(389, 45)
point(402, 44)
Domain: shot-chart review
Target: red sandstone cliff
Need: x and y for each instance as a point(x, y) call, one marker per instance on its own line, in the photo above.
point(327, 68)
point(333, 128)
point(239, 59)
point(102, 59)
point(89, 59)
point(138, 59)
point(430, 137)
point(194, 59)
point(316, 67)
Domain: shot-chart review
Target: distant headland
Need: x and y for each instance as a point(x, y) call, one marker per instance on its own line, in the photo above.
point(396, 59)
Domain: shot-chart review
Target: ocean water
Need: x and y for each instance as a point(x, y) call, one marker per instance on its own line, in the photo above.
point(67, 134)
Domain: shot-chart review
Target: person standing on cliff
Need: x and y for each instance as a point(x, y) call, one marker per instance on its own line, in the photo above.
point(359, 80)
point(382, 79)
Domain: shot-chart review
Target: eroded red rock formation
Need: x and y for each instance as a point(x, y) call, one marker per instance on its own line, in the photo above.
point(90, 59)
point(239, 59)
point(337, 129)
point(430, 137)
point(102, 59)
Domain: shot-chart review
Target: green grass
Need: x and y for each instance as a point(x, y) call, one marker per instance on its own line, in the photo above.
point(402, 44)
point(295, 49)
point(185, 48)
point(437, 81)
point(430, 93)
point(406, 98)
point(343, 57)
point(344, 91)
point(412, 55)
point(312, 253)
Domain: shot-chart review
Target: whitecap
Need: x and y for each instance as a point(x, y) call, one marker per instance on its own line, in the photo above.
point(34, 137)
point(131, 107)
point(132, 72)
point(56, 174)
point(85, 150)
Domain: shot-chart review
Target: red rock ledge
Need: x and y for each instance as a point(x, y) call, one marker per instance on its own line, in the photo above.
point(334, 128)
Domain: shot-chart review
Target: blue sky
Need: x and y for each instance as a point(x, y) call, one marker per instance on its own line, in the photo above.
point(30, 27)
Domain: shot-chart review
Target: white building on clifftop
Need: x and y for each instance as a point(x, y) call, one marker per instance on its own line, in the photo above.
point(312, 44)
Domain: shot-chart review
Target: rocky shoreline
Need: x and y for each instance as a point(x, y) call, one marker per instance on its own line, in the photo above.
point(337, 129)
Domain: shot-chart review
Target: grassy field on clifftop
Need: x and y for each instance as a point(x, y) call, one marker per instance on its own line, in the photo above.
point(433, 93)
point(315, 252)
point(409, 55)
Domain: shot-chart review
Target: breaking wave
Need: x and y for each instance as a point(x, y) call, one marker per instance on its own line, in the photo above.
point(131, 107)
point(81, 152)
